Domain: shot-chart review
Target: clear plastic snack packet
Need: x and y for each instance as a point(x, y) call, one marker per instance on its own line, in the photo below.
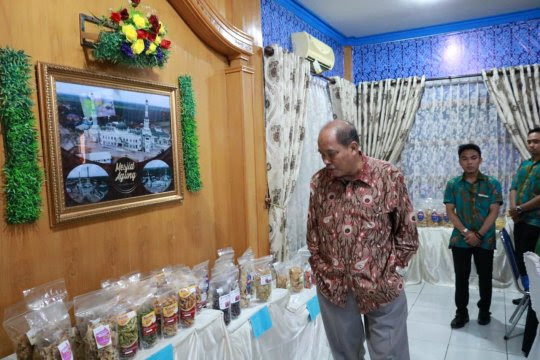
point(17, 328)
point(147, 319)
point(309, 279)
point(43, 295)
point(167, 303)
point(220, 294)
point(263, 277)
point(51, 326)
point(125, 314)
point(187, 297)
point(96, 325)
point(245, 264)
point(282, 275)
point(200, 271)
point(296, 273)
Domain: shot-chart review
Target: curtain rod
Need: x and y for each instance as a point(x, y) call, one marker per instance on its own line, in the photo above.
point(454, 77)
point(488, 72)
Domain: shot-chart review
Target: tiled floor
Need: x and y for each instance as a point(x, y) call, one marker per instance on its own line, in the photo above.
point(431, 308)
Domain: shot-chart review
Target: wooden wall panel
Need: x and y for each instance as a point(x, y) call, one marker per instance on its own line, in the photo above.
point(88, 251)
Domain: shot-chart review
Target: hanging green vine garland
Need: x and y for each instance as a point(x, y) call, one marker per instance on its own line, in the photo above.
point(189, 135)
point(23, 177)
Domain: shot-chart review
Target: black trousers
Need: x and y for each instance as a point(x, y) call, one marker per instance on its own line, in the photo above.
point(483, 260)
point(525, 237)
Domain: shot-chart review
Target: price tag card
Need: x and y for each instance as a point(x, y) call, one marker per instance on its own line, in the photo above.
point(313, 307)
point(261, 322)
point(166, 353)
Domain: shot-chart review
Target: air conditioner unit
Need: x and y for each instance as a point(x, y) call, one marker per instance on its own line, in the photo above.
point(318, 53)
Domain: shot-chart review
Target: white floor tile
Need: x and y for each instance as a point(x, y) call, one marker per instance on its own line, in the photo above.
point(426, 350)
point(474, 336)
point(456, 352)
point(436, 301)
point(431, 332)
point(426, 314)
point(414, 287)
point(513, 345)
point(438, 289)
point(411, 299)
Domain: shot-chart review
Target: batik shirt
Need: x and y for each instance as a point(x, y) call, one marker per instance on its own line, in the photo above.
point(358, 232)
point(472, 202)
point(527, 185)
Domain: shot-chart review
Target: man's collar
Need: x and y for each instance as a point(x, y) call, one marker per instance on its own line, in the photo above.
point(480, 177)
point(365, 175)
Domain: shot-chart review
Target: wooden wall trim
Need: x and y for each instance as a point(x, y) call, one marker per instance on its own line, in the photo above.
point(205, 21)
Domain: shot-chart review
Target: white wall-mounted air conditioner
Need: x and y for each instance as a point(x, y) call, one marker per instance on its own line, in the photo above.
point(318, 53)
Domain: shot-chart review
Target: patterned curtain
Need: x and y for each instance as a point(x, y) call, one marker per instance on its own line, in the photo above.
point(454, 112)
point(319, 112)
point(343, 98)
point(286, 87)
point(516, 92)
point(386, 111)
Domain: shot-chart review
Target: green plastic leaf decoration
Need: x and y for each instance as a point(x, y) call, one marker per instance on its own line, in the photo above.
point(23, 177)
point(189, 135)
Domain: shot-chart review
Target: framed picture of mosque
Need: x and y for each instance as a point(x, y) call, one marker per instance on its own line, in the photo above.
point(110, 143)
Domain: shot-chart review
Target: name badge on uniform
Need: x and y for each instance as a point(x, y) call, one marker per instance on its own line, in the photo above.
point(483, 195)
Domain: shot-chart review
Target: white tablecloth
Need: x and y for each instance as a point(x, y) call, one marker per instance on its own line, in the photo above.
point(292, 336)
point(433, 261)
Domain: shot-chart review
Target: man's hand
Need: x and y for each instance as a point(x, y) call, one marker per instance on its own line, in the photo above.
point(473, 239)
point(514, 214)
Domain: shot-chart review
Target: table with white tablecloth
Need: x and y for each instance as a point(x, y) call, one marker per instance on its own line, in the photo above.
point(433, 261)
point(293, 334)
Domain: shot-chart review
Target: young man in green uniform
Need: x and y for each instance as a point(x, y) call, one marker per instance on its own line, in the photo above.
point(525, 211)
point(472, 204)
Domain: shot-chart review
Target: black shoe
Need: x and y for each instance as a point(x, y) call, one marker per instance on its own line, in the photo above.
point(516, 301)
point(459, 321)
point(484, 317)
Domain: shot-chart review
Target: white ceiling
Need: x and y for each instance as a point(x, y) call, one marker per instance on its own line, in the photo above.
point(358, 18)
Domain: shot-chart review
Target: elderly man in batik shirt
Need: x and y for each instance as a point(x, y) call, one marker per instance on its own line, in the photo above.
point(361, 232)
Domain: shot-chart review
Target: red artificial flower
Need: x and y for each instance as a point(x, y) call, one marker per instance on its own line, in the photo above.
point(134, 3)
point(116, 17)
point(165, 44)
point(154, 21)
point(151, 37)
point(125, 14)
point(142, 34)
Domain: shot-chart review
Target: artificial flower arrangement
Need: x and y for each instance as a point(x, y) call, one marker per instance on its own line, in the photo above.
point(136, 40)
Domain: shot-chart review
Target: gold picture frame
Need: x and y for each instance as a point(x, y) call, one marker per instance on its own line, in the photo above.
point(110, 143)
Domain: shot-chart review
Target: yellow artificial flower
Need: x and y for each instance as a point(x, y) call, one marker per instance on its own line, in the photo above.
point(151, 49)
point(162, 30)
point(139, 21)
point(158, 40)
point(138, 46)
point(130, 32)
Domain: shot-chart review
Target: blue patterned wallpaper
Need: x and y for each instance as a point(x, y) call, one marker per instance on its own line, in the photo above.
point(279, 23)
point(461, 53)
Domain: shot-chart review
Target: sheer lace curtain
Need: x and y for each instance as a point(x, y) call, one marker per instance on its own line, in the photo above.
point(516, 93)
point(319, 112)
point(454, 112)
point(286, 87)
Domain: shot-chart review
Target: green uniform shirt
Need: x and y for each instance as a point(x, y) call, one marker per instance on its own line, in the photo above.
point(527, 185)
point(472, 202)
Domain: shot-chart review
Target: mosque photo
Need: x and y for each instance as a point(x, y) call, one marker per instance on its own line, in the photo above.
point(101, 125)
